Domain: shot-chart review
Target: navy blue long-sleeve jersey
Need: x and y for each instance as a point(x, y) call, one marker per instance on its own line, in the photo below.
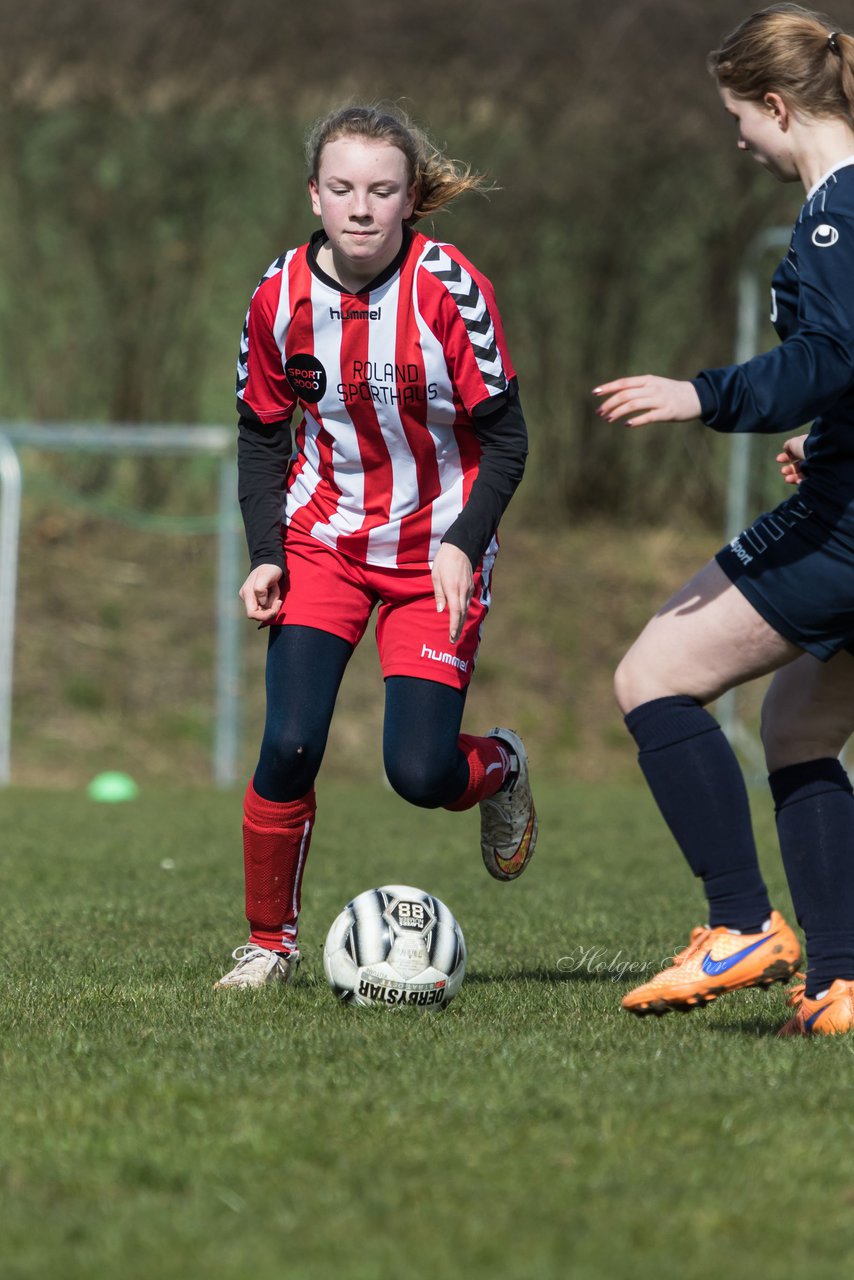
point(811, 373)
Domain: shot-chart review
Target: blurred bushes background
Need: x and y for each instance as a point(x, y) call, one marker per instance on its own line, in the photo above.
point(150, 170)
point(151, 167)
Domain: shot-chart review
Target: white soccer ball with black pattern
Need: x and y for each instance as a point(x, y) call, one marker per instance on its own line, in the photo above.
point(395, 946)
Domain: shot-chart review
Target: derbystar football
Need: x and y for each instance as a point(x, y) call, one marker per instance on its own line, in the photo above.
point(395, 946)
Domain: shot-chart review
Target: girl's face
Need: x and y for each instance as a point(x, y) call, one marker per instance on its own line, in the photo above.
point(763, 131)
point(362, 195)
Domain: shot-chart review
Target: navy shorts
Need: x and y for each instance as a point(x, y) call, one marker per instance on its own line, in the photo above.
point(797, 570)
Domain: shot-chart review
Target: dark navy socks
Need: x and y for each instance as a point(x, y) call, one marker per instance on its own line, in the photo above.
point(815, 825)
point(698, 785)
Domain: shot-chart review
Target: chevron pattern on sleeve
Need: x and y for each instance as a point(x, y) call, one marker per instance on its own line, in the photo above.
point(243, 354)
point(474, 311)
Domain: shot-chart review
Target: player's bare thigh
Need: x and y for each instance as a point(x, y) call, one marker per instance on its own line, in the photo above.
point(706, 639)
point(808, 712)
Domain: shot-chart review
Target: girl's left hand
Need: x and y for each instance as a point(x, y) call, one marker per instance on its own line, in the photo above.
point(648, 399)
point(791, 458)
point(453, 583)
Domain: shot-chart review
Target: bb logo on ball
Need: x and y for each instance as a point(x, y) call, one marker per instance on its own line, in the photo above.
point(395, 946)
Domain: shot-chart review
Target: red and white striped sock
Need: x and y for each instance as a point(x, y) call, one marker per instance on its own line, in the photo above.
point(489, 762)
point(276, 839)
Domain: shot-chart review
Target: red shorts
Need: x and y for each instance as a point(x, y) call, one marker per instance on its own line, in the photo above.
point(327, 590)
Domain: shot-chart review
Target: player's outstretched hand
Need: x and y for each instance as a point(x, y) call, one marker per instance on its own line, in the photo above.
point(261, 593)
point(453, 584)
point(791, 458)
point(648, 399)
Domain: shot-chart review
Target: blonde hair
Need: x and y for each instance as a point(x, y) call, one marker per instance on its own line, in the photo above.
point(438, 179)
point(792, 51)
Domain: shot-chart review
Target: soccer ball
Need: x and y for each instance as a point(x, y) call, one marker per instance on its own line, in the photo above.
point(395, 946)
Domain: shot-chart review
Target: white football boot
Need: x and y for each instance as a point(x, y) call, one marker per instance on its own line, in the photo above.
point(258, 967)
point(508, 820)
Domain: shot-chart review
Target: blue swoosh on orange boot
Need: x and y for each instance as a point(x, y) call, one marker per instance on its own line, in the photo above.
point(814, 1017)
point(715, 967)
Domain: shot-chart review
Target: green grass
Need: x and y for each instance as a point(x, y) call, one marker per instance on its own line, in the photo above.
point(153, 1128)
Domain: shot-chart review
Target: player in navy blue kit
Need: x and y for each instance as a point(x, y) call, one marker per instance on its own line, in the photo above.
point(780, 597)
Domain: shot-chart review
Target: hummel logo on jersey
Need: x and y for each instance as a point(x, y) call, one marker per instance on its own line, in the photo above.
point(450, 659)
point(824, 236)
point(307, 376)
point(714, 967)
point(374, 313)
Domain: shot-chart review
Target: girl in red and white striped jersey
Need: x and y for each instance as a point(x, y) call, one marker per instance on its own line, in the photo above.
point(410, 444)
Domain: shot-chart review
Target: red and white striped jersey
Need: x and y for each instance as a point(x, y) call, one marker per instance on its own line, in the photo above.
point(388, 381)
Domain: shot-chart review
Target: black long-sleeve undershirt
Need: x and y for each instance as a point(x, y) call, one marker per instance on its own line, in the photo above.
point(264, 451)
point(503, 438)
point(263, 457)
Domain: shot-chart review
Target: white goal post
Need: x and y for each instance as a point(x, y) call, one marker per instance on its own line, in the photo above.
point(131, 439)
point(752, 309)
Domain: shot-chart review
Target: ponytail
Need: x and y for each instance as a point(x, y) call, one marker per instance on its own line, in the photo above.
point(795, 52)
point(438, 179)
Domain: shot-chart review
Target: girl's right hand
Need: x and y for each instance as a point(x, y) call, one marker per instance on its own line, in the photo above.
point(791, 458)
point(261, 593)
point(646, 399)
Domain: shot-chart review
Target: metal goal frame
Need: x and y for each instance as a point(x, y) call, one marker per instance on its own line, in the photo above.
point(115, 439)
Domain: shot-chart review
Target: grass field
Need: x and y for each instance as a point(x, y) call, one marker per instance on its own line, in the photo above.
point(153, 1128)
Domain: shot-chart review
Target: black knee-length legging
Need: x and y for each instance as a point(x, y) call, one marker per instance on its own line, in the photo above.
point(421, 755)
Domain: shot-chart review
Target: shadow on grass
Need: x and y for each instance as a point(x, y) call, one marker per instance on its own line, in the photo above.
point(761, 1028)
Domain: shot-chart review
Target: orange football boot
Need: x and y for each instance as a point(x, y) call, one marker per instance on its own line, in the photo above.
point(716, 961)
point(828, 1015)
